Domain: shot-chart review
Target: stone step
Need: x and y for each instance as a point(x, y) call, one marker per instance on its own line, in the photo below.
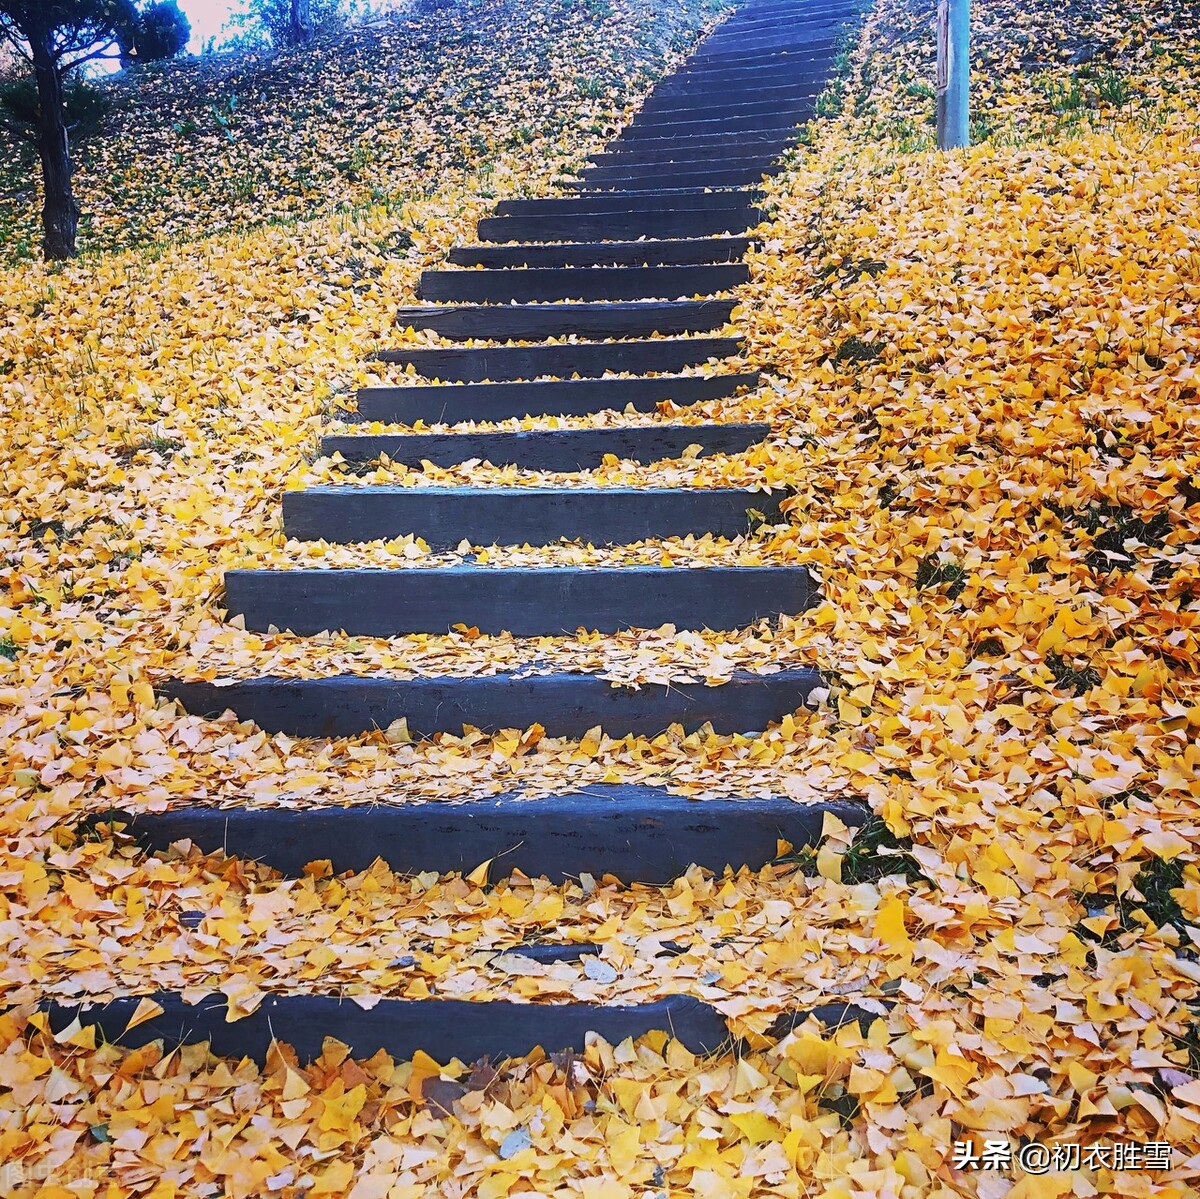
point(705, 106)
point(658, 126)
point(734, 83)
point(789, 13)
point(526, 602)
point(617, 226)
point(546, 449)
point(756, 151)
point(616, 181)
point(711, 146)
point(638, 834)
point(790, 10)
point(580, 283)
point(565, 705)
point(455, 403)
point(649, 168)
point(443, 1028)
point(724, 133)
point(786, 15)
point(585, 359)
point(444, 516)
point(658, 168)
point(733, 117)
point(816, 41)
point(653, 200)
point(690, 99)
point(754, 71)
point(816, 25)
point(534, 322)
point(818, 47)
point(661, 252)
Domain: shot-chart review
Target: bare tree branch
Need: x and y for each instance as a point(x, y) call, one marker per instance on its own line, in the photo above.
point(102, 52)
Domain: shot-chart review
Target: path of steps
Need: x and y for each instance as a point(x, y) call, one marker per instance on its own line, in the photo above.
point(636, 259)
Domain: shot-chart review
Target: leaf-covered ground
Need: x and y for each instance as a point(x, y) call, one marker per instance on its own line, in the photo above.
point(984, 376)
point(393, 108)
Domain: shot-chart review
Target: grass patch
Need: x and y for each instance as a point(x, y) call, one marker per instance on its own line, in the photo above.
point(855, 350)
point(155, 445)
point(1109, 527)
point(934, 571)
point(1151, 895)
point(1068, 676)
point(876, 852)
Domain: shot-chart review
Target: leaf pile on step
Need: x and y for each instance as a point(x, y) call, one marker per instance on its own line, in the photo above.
point(614, 1121)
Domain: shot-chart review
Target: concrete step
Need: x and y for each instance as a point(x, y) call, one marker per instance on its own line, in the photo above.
point(546, 449)
point(708, 107)
point(718, 112)
point(663, 125)
point(617, 171)
point(580, 283)
point(603, 180)
point(638, 834)
point(585, 359)
point(653, 200)
point(791, 10)
point(444, 516)
point(693, 99)
point(526, 602)
point(724, 134)
point(814, 25)
point(790, 13)
point(454, 403)
point(817, 26)
point(662, 252)
point(711, 147)
point(816, 41)
point(638, 158)
point(535, 322)
point(565, 705)
point(786, 15)
point(777, 70)
point(618, 226)
point(443, 1028)
point(652, 168)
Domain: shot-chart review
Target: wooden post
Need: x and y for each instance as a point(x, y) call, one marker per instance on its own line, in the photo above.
point(953, 74)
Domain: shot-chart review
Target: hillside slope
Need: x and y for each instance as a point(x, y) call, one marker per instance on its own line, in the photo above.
point(375, 113)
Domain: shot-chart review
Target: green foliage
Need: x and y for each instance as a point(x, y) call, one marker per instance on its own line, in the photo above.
point(1068, 676)
point(282, 23)
point(162, 31)
point(934, 571)
point(1156, 883)
point(855, 350)
point(876, 852)
point(1152, 896)
point(86, 107)
point(1114, 88)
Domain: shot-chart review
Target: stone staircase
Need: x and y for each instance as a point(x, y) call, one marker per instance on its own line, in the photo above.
point(660, 213)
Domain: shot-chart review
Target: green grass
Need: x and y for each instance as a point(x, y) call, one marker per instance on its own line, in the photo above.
point(934, 571)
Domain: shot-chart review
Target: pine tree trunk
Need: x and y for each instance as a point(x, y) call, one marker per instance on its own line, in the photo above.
point(301, 30)
point(60, 213)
